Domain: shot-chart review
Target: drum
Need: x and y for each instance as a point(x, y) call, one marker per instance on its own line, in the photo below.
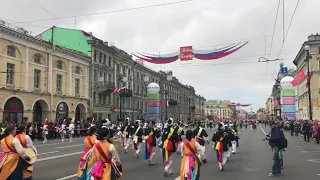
point(117, 144)
point(33, 158)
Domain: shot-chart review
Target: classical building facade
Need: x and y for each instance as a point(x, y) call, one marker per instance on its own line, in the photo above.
point(113, 68)
point(39, 80)
point(269, 108)
point(302, 90)
point(218, 109)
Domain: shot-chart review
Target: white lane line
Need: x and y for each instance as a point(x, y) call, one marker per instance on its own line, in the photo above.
point(59, 156)
point(262, 130)
point(62, 147)
point(48, 153)
point(314, 160)
point(178, 178)
point(51, 144)
point(68, 177)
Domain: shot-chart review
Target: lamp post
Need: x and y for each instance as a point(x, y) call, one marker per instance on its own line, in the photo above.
point(307, 60)
point(166, 98)
point(189, 108)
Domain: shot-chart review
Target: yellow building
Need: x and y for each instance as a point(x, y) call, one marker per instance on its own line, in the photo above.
point(302, 90)
point(40, 81)
point(270, 108)
point(218, 109)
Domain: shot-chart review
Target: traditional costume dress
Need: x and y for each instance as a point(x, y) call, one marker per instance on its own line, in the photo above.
point(45, 131)
point(86, 162)
point(125, 135)
point(201, 137)
point(222, 139)
point(107, 162)
point(235, 142)
point(63, 129)
point(190, 163)
point(169, 138)
point(26, 142)
point(11, 163)
point(180, 133)
point(137, 138)
point(71, 129)
point(151, 135)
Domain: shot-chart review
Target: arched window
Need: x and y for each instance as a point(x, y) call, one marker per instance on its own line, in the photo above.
point(59, 64)
point(78, 70)
point(11, 51)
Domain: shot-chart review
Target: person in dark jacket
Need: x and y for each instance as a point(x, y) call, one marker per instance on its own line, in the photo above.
point(277, 142)
point(222, 140)
point(306, 129)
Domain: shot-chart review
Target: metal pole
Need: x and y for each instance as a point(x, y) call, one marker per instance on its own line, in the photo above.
point(309, 86)
point(166, 97)
point(120, 106)
point(189, 101)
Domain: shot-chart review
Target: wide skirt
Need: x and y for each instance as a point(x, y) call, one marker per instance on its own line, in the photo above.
point(18, 172)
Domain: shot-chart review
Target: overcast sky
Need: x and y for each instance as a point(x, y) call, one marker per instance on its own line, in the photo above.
point(203, 24)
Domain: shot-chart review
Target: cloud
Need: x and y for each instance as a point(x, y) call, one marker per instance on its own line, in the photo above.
point(204, 24)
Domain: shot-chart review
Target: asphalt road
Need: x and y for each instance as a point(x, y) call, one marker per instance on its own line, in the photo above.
point(253, 160)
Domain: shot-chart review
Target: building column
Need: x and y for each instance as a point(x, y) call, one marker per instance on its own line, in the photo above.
point(70, 79)
point(50, 82)
point(87, 81)
point(26, 69)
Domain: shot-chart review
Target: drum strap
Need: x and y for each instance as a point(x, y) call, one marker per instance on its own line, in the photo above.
point(21, 142)
point(90, 141)
point(104, 156)
point(5, 141)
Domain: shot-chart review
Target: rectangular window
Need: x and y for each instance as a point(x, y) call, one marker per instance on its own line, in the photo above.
point(110, 61)
point(100, 57)
point(10, 73)
point(77, 86)
point(94, 98)
point(95, 76)
point(36, 77)
point(104, 59)
point(59, 83)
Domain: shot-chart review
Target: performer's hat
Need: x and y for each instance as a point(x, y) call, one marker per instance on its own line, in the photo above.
point(106, 123)
point(138, 121)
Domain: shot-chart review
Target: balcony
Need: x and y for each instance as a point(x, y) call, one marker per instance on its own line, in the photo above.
point(105, 87)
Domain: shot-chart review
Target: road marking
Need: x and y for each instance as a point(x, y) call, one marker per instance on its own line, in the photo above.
point(68, 177)
point(59, 156)
point(69, 146)
point(298, 146)
point(48, 153)
point(262, 130)
point(304, 151)
point(41, 145)
point(178, 178)
point(318, 174)
point(314, 160)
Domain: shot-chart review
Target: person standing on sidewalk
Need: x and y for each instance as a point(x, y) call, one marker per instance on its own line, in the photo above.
point(306, 129)
point(277, 142)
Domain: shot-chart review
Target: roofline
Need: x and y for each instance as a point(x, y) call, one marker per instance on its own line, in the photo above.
point(301, 51)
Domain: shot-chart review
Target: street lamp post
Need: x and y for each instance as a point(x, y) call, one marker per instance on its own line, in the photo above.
point(166, 98)
point(307, 60)
point(189, 108)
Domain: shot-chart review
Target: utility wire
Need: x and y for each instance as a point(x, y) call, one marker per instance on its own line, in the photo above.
point(272, 38)
point(41, 7)
point(293, 15)
point(106, 12)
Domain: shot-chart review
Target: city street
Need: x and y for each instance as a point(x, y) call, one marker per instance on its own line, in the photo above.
point(253, 161)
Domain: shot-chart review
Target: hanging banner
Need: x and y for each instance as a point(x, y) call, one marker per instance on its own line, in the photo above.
point(187, 53)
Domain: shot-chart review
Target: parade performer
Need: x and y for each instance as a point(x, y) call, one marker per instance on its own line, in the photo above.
point(71, 129)
point(235, 142)
point(190, 163)
point(108, 165)
point(10, 162)
point(86, 161)
point(169, 138)
point(222, 139)
point(137, 138)
point(93, 122)
point(45, 131)
point(125, 135)
point(180, 133)
point(26, 142)
point(201, 137)
point(63, 129)
point(151, 135)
